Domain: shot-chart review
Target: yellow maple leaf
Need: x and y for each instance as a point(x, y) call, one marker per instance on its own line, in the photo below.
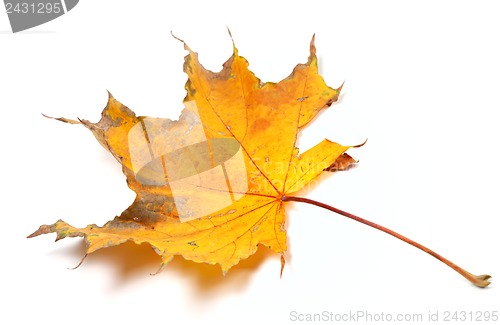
point(210, 186)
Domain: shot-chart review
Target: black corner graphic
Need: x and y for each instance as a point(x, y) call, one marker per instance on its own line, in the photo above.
point(26, 14)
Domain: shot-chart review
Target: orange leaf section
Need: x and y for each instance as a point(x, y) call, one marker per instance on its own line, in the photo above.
point(210, 185)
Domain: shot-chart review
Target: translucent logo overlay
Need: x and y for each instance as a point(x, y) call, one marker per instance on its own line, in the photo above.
point(203, 174)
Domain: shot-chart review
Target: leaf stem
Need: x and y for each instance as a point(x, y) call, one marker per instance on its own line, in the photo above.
point(478, 280)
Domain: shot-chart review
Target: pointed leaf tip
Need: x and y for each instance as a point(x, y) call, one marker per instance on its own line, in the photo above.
point(62, 119)
point(235, 50)
point(282, 265)
point(43, 229)
point(79, 264)
point(312, 47)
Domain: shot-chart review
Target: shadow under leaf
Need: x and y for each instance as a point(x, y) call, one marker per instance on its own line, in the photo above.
point(131, 261)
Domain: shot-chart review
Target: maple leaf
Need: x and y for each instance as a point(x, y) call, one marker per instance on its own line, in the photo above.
point(213, 185)
point(210, 186)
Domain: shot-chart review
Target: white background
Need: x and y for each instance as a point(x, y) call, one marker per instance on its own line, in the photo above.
point(422, 84)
